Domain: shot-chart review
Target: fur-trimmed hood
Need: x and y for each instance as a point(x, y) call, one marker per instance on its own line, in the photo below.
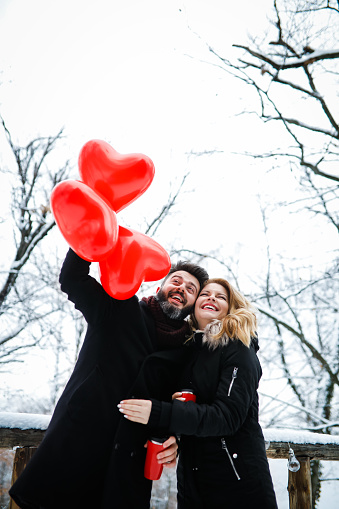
point(212, 330)
point(209, 335)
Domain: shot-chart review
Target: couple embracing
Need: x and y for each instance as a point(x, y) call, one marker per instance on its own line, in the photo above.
point(126, 386)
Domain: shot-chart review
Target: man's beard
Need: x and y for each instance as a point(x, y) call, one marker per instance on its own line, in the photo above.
point(172, 311)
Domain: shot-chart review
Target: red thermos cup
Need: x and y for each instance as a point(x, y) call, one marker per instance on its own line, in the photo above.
point(153, 469)
point(188, 395)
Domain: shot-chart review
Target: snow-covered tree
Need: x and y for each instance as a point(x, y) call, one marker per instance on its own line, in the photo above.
point(29, 300)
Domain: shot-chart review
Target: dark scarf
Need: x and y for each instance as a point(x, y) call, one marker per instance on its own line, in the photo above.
point(170, 333)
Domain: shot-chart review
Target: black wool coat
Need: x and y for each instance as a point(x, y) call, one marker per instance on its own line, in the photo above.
point(91, 457)
point(222, 460)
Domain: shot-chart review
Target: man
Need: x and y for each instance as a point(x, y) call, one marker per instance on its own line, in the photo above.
point(91, 457)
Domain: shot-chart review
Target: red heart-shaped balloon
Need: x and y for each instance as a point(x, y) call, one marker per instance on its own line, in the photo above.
point(120, 179)
point(136, 258)
point(85, 220)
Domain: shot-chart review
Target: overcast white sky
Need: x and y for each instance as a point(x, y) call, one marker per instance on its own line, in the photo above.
point(133, 73)
point(129, 72)
point(117, 68)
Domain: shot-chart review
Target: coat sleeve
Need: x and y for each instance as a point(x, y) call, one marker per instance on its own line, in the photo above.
point(84, 291)
point(226, 414)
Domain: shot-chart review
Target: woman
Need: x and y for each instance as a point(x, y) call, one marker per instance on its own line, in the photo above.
point(222, 460)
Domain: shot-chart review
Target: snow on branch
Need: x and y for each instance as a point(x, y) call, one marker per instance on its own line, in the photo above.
point(292, 62)
point(14, 333)
point(298, 123)
point(315, 353)
point(17, 264)
point(326, 422)
point(278, 319)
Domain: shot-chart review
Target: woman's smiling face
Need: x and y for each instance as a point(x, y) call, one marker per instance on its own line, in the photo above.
point(212, 304)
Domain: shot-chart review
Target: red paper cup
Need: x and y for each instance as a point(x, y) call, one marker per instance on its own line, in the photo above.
point(153, 469)
point(188, 395)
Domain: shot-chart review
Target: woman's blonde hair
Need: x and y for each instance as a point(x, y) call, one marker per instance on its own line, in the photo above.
point(240, 322)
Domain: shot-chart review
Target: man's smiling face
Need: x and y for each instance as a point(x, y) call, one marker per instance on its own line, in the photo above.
point(178, 294)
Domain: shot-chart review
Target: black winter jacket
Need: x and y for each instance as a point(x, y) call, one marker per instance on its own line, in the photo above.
point(91, 457)
point(222, 459)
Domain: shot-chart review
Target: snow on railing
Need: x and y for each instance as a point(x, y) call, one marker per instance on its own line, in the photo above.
point(13, 420)
point(38, 422)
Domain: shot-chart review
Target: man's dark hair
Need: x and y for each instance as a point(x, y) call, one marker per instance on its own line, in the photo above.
point(193, 269)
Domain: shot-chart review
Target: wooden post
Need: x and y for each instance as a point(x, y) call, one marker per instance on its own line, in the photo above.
point(299, 485)
point(21, 458)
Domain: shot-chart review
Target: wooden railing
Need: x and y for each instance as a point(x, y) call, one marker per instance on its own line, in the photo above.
point(24, 432)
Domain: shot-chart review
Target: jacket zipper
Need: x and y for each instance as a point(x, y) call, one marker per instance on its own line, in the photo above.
point(224, 446)
point(234, 376)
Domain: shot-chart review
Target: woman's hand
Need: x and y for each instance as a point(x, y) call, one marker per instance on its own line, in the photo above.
point(136, 410)
point(178, 395)
point(139, 410)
